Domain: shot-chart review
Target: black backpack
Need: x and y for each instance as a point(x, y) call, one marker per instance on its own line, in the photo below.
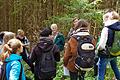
point(3, 71)
point(47, 65)
point(85, 53)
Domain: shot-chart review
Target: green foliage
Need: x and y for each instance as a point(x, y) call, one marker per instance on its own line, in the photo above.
point(28, 73)
point(83, 9)
point(80, 8)
point(64, 22)
point(89, 75)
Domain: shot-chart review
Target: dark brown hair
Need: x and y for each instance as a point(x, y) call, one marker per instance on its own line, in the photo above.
point(82, 24)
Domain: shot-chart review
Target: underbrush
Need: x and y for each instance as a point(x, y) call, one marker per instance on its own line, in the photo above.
point(89, 75)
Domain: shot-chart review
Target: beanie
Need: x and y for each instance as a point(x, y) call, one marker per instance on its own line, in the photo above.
point(46, 32)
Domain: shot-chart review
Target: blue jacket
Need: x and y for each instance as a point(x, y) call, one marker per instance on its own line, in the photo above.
point(13, 67)
point(115, 26)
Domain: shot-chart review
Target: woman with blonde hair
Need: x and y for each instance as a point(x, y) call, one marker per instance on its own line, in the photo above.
point(111, 23)
point(26, 48)
point(58, 38)
point(14, 68)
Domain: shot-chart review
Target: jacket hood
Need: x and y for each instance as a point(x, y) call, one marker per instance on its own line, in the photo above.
point(110, 22)
point(13, 57)
point(45, 43)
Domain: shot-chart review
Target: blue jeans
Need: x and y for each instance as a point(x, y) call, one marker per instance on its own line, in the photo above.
point(102, 63)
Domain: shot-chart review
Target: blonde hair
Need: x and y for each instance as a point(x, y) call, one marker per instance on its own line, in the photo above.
point(54, 26)
point(111, 16)
point(115, 15)
point(8, 36)
point(20, 31)
point(14, 44)
point(11, 47)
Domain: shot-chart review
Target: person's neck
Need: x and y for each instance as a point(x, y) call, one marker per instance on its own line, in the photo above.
point(55, 33)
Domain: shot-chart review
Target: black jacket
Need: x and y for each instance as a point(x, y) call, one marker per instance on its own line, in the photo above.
point(45, 44)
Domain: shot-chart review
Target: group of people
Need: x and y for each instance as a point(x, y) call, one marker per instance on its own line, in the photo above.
point(105, 43)
point(14, 48)
point(43, 58)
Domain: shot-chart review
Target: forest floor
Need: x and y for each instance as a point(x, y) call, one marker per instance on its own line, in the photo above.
point(89, 75)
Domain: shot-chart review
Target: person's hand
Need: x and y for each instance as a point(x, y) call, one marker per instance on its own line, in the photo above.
point(1, 63)
point(96, 51)
point(51, 37)
point(66, 44)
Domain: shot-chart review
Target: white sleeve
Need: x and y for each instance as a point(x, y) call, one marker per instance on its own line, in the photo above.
point(103, 39)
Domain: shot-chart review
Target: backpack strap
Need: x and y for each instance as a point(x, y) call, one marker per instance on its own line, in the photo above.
point(21, 70)
point(77, 38)
point(3, 77)
point(3, 67)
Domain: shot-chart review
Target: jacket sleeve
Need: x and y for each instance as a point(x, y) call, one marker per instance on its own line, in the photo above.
point(60, 41)
point(70, 50)
point(103, 39)
point(15, 70)
point(33, 55)
point(56, 53)
point(94, 42)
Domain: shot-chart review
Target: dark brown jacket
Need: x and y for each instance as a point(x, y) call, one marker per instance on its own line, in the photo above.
point(71, 53)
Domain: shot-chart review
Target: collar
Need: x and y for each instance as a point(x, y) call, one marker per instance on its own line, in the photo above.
point(82, 33)
point(110, 22)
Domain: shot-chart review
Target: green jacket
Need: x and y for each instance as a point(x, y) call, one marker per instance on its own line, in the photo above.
point(59, 40)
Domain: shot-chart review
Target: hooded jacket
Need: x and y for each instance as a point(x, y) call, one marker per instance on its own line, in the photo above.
point(13, 67)
point(45, 44)
point(107, 35)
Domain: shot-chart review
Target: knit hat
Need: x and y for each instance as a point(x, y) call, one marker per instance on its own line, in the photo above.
point(46, 32)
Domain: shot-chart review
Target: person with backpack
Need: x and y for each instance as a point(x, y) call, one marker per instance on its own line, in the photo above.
point(12, 68)
point(5, 37)
point(58, 37)
point(70, 33)
point(108, 35)
point(79, 53)
point(45, 55)
point(26, 48)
